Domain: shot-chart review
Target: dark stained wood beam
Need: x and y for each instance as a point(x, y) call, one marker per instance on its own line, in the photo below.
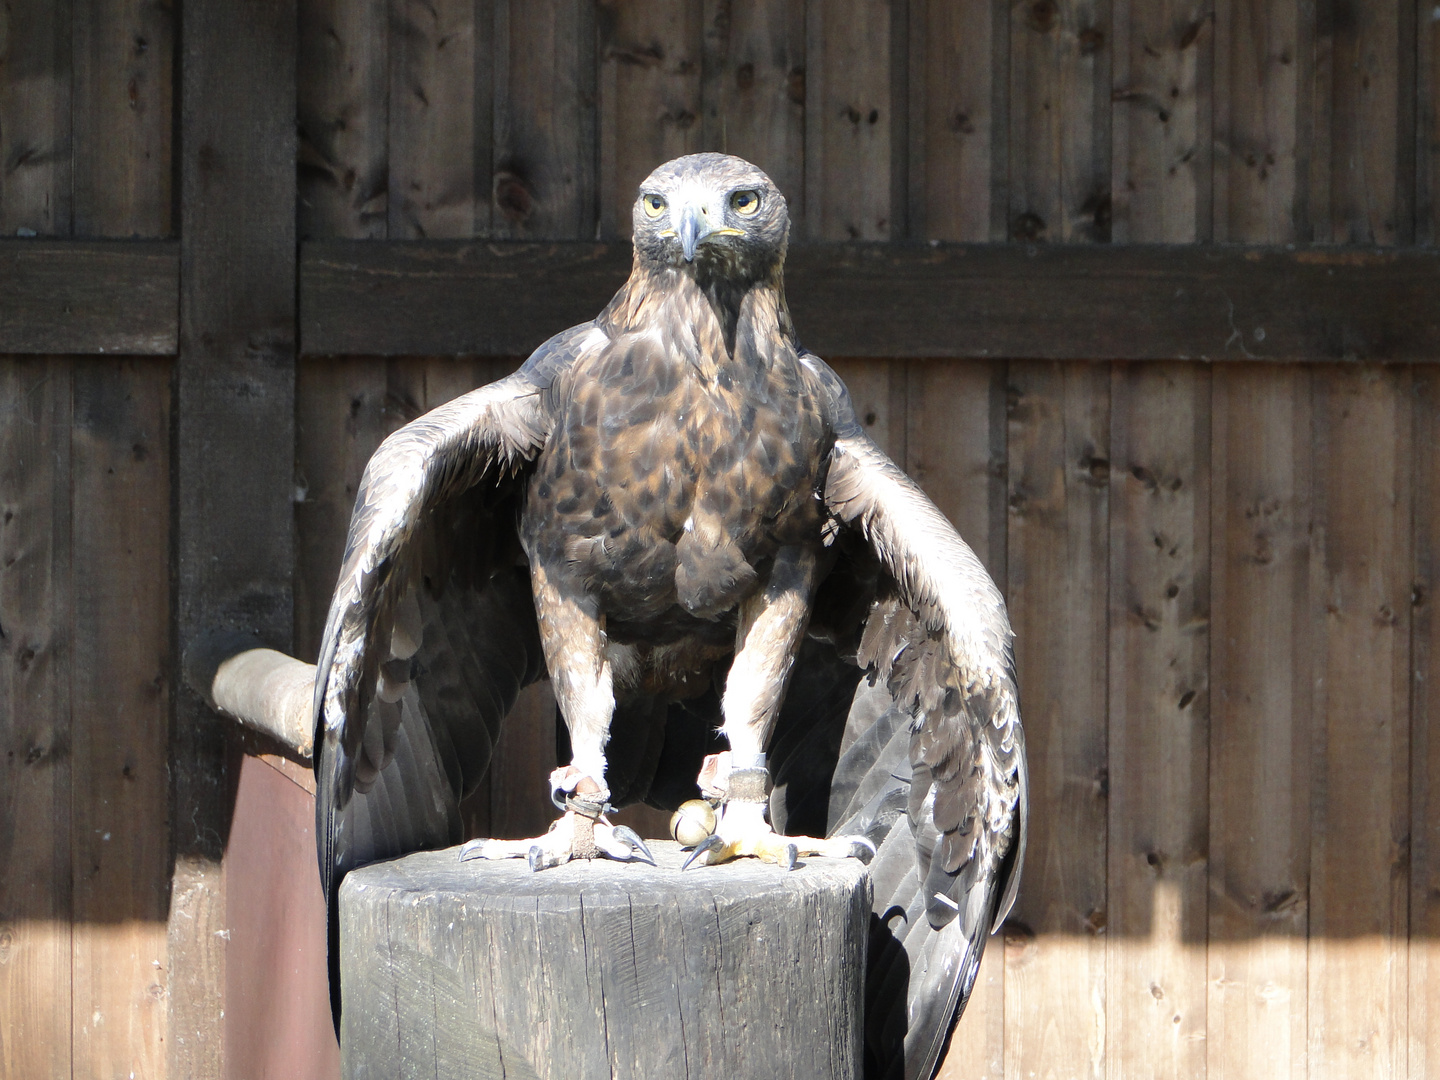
point(234, 446)
point(89, 297)
point(1133, 302)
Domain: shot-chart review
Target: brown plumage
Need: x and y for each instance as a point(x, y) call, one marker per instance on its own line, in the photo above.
point(673, 513)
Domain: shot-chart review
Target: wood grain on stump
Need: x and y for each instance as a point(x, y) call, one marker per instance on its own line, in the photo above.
point(601, 969)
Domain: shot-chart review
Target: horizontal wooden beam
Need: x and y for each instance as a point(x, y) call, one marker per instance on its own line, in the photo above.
point(1133, 302)
point(89, 297)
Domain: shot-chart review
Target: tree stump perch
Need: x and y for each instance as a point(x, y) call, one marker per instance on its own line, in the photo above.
point(603, 969)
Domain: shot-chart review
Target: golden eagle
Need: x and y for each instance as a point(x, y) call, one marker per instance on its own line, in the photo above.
point(672, 513)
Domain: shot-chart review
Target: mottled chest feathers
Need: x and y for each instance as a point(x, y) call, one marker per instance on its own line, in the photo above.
point(666, 484)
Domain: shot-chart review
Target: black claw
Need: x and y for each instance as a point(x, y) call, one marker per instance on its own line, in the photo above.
point(631, 837)
point(710, 843)
point(788, 857)
point(558, 797)
point(862, 849)
point(536, 858)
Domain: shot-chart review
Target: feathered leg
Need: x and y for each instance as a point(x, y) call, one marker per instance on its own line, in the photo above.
point(574, 643)
point(772, 624)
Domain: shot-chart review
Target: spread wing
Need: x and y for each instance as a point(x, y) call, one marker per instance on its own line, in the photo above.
point(931, 766)
point(431, 633)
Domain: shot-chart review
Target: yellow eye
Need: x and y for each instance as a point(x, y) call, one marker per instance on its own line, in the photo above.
point(745, 202)
point(654, 205)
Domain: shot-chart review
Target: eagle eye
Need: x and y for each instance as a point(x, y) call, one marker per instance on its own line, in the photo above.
point(654, 204)
point(745, 202)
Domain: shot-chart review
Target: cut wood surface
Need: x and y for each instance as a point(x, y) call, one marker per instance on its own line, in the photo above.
point(599, 969)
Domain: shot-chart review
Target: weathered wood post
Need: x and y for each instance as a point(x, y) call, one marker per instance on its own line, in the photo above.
point(601, 969)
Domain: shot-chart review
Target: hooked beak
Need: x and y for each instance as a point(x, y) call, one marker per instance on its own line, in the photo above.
point(695, 227)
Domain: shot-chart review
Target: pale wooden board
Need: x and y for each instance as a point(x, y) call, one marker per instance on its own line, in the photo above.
point(648, 95)
point(1058, 560)
point(343, 102)
point(956, 105)
point(849, 111)
point(435, 46)
point(1423, 1017)
point(120, 698)
point(1262, 670)
point(35, 122)
point(1360, 813)
point(753, 89)
point(1159, 712)
point(1257, 98)
point(1161, 132)
point(120, 493)
point(36, 655)
point(955, 449)
point(1060, 114)
point(123, 62)
point(603, 969)
point(544, 157)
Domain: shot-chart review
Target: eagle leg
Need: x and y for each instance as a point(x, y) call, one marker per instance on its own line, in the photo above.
point(575, 652)
point(771, 625)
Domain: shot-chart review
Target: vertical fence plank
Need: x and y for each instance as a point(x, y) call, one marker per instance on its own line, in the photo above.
point(958, 50)
point(36, 657)
point(1060, 121)
point(1159, 711)
point(954, 446)
point(35, 143)
point(120, 695)
point(1359, 804)
point(544, 183)
point(1358, 102)
point(343, 100)
point(1058, 569)
point(753, 90)
point(1161, 131)
point(649, 97)
point(124, 64)
point(1257, 102)
point(1261, 673)
point(955, 449)
point(848, 117)
point(433, 183)
point(123, 124)
point(1423, 1019)
point(235, 441)
point(1427, 124)
point(878, 390)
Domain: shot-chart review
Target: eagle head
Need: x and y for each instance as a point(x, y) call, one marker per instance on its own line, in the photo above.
point(712, 212)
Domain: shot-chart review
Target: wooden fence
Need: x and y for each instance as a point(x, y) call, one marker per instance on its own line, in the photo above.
point(1206, 473)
